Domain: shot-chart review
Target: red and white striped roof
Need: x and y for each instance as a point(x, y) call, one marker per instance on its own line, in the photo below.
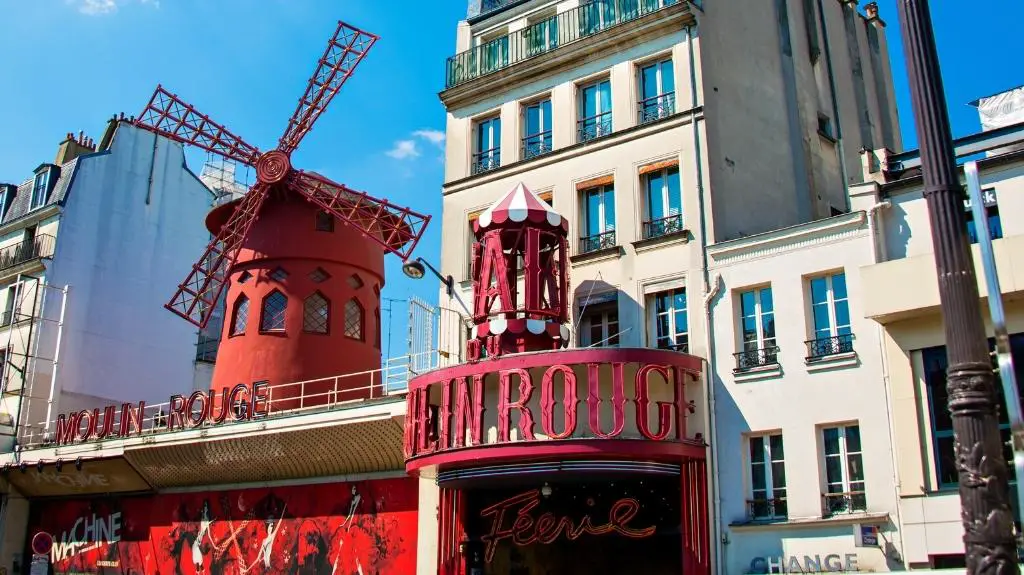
point(520, 205)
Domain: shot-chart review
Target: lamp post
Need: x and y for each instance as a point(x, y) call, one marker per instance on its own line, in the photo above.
point(417, 268)
point(983, 476)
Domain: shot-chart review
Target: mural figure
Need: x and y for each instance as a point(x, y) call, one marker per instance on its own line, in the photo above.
point(204, 529)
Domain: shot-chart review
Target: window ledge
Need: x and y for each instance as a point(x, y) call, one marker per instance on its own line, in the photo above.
point(845, 519)
point(826, 136)
point(836, 361)
point(613, 252)
point(675, 238)
point(757, 373)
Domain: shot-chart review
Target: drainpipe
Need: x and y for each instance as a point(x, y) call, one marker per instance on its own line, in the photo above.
point(835, 104)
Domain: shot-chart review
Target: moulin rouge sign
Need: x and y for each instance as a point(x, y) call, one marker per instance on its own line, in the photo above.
point(458, 421)
point(240, 403)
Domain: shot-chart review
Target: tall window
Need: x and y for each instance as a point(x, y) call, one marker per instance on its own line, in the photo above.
point(657, 91)
point(844, 470)
point(274, 307)
point(537, 129)
point(240, 315)
point(12, 294)
point(488, 145)
point(757, 326)
point(316, 312)
point(995, 224)
point(39, 190)
point(600, 326)
point(493, 51)
point(541, 32)
point(767, 477)
point(935, 365)
point(830, 309)
point(671, 324)
point(664, 202)
point(354, 319)
point(595, 111)
point(598, 218)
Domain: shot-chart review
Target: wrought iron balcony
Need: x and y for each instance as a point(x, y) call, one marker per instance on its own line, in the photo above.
point(25, 251)
point(826, 346)
point(752, 358)
point(763, 509)
point(655, 108)
point(839, 503)
point(594, 127)
point(597, 242)
point(536, 145)
point(663, 226)
point(485, 161)
point(570, 26)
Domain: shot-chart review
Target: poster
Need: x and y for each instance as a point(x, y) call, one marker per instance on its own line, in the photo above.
point(359, 528)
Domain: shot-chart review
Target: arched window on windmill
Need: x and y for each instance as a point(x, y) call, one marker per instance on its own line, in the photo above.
point(239, 315)
point(316, 314)
point(354, 319)
point(274, 307)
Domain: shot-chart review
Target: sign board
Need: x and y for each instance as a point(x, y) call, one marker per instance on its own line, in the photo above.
point(866, 535)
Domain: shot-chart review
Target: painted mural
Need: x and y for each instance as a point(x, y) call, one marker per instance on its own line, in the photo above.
point(360, 528)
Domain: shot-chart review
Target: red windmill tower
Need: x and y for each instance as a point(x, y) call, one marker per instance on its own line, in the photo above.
point(302, 293)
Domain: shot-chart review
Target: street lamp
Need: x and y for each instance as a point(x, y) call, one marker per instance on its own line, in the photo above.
point(417, 269)
point(983, 477)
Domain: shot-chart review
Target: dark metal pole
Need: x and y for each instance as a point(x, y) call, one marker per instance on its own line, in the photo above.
point(984, 488)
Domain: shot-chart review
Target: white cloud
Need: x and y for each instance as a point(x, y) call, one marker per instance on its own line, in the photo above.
point(435, 137)
point(403, 150)
point(409, 148)
point(100, 7)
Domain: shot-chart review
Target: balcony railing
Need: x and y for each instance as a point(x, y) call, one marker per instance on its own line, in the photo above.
point(597, 242)
point(826, 346)
point(657, 107)
point(206, 349)
point(663, 226)
point(752, 358)
point(762, 509)
point(485, 161)
point(839, 503)
point(594, 127)
point(40, 247)
point(536, 145)
point(544, 36)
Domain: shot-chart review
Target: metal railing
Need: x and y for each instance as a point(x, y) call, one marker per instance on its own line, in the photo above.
point(656, 107)
point(594, 127)
point(839, 503)
point(597, 242)
point(826, 346)
point(285, 399)
point(751, 358)
point(663, 226)
point(536, 145)
point(485, 161)
point(760, 509)
point(565, 28)
point(206, 348)
point(40, 247)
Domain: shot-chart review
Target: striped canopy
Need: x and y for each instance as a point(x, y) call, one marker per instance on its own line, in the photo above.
point(520, 205)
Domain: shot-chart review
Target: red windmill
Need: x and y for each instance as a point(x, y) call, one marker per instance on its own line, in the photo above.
point(302, 294)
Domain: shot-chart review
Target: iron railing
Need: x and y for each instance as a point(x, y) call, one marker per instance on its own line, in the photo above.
point(594, 127)
point(486, 161)
point(597, 242)
point(663, 226)
point(536, 145)
point(760, 509)
point(839, 503)
point(206, 348)
point(826, 346)
point(656, 107)
point(751, 358)
point(570, 26)
point(40, 247)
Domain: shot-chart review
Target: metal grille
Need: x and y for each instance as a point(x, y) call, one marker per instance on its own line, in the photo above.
point(279, 275)
point(274, 307)
point(316, 314)
point(319, 275)
point(354, 320)
point(241, 315)
point(355, 282)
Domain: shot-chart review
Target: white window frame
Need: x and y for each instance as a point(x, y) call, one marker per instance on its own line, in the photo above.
point(598, 102)
point(844, 460)
point(657, 63)
point(603, 190)
point(477, 125)
point(603, 315)
point(758, 317)
point(665, 192)
point(671, 313)
point(769, 480)
point(830, 301)
point(39, 187)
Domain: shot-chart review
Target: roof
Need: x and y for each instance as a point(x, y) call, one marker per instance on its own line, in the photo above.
point(19, 206)
point(520, 205)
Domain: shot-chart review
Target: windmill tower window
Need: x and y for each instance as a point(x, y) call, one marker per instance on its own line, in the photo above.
point(354, 320)
point(355, 282)
point(244, 277)
point(316, 314)
point(239, 316)
point(319, 275)
point(324, 222)
point(376, 336)
point(279, 275)
point(274, 307)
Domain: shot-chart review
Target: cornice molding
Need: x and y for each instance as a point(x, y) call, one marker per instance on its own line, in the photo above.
point(788, 239)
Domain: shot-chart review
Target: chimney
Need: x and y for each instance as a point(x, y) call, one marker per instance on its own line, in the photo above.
point(108, 133)
point(71, 147)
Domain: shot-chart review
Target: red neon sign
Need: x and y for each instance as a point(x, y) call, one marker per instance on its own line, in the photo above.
point(526, 530)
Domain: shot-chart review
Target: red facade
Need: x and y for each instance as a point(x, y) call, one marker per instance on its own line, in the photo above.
point(358, 528)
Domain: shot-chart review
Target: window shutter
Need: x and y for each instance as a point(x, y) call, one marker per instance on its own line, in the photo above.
point(658, 166)
point(595, 182)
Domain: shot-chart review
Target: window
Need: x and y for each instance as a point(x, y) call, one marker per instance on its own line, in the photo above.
point(598, 219)
point(319, 275)
point(757, 326)
point(657, 91)
point(844, 470)
point(27, 250)
point(599, 326)
point(376, 333)
point(537, 129)
point(830, 310)
point(541, 32)
point(6, 193)
point(239, 316)
point(354, 320)
point(935, 365)
point(278, 275)
point(39, 189)
point(825, 127)
point(488, 145)
point(274, 307)
point(492, 49)
point(244, 277)
point(767, 477)
point(671, 324)
point(12, 294)
point(316, 312)
point(355, 282)
point(324, 222)
point(664, 203)
point(595, 111)
point(995, 225)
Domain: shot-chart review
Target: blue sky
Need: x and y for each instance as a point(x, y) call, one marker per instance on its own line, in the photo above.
point(245, 63)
